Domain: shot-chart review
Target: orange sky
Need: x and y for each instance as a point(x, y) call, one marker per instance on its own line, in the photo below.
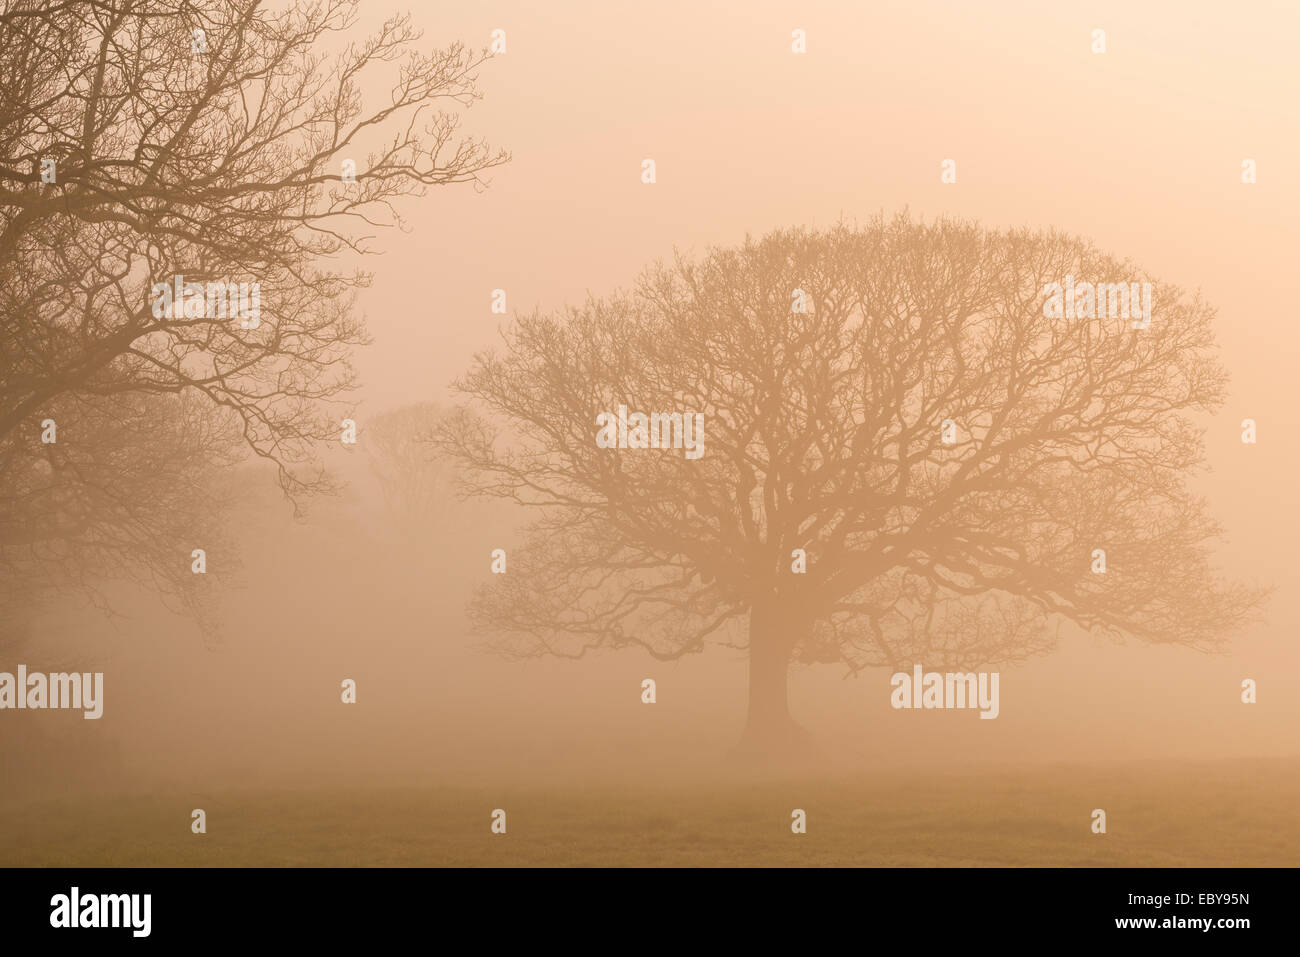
point(1139, 149)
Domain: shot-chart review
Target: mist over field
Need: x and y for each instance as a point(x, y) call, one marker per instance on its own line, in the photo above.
point(1139, 151)
point(349, 593)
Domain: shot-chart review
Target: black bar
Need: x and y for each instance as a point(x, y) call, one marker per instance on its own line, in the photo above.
point(477, 907)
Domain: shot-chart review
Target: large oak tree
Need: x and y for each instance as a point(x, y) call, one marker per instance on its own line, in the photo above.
point(825, 431)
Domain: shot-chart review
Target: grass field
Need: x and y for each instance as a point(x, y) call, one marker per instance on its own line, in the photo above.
point(1241, 813)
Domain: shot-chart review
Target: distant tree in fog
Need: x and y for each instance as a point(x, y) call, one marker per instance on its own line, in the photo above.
point(946, 458)
point(414, 477)
point(126, 494)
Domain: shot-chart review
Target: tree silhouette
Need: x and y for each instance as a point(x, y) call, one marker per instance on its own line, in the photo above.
point(414, 479)
point(214, 140)
point(125, 495)
point(946, 455)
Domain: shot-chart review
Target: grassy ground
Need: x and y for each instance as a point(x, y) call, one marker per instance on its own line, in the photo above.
point(1226, 814)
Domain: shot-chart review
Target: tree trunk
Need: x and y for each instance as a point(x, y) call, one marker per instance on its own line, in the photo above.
point(770, 732)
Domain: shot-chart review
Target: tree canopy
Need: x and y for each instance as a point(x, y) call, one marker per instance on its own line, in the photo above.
point(145, 143)
point(946, 455)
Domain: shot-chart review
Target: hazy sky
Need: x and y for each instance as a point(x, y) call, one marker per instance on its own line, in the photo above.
point(1139, 149)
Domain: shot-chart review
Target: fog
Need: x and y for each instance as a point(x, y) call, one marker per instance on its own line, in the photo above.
point(1139, 150)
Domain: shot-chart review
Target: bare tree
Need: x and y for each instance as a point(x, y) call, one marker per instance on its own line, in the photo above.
point(126, 494)
point(146, 143)
point(414, 478)
point(947, 457)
